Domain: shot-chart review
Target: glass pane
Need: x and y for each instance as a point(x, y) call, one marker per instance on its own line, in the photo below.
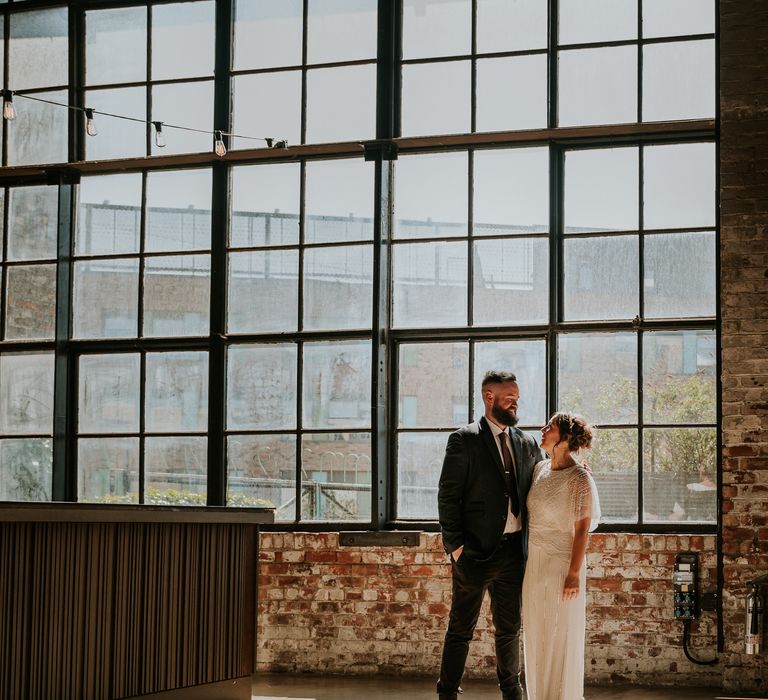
point(26, 393)
point(338, 287)
point(106, 299)
point(336, 476)
point(116, 46)
point(613, 461)
point(337, 384)
point(511, 26)
point(679, 377)
point(30, 305)
point(184, 104)
point(679, 474)
point(597, 86)
point(578, 25)
point(436, 28)
point(266, 105)
point(261, 387)
point(527, 359)
point(109, 393)
point(339, 201)
point(419, 462)
point(33, 223)
point(109, 215)
point(108, 470)
point(511, 281)
point(664, 18)
point(263, 294)
point(176, 471)
point(177, 291)
point(183, 37)
point(670, 294)
point(341, 104)
point(267, 33)
point(430, 397)
point(511, 191)
point(25, 470)
point(679, 81)
point(522, 104)
point(601, 190)
point(261, 473)
point(179, 210)
point(38, 55)
point(431, 195)
point(117, 138)
point(436, 98)
point(265, 205)
point(601, 278)
point(679, 185)
point(177, 392)
point(341, 30)
point(430, 284)
point(25, 145)
point(597, 376)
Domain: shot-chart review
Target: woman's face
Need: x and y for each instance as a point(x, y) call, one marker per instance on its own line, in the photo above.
point(550, 436)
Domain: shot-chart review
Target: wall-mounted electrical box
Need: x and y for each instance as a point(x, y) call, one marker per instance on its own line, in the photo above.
point(686, 586)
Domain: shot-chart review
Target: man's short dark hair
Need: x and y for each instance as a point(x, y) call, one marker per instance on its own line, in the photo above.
point(497, 377)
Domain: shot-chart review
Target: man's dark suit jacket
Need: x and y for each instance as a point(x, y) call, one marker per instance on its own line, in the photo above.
point(472, 498)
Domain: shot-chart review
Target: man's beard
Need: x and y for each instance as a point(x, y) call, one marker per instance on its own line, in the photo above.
point(503, 416)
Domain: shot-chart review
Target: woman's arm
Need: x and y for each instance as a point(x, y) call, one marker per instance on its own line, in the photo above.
point(578, 551)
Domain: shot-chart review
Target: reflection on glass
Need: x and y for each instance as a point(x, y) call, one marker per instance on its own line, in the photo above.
point(597, 86)
point(39, 132)
point(577, 25)
point(679, 475)
point(434, 28)
point(668, 292)
point(108, 400)
point(265, 205)
point(336, 476)
point(117, 138)
point(25, 470)
point(601, 192)
point(30, 304)
point(431, 195)
point(337, 384)
point(511, 191)
point(108, 470)
point(116, 46)
point(601, 278)
point(511, 26)
point(179, 210)
point(343, 30)
point(262, 291)
point(183, 36)
point(185, 104)
point(38, 50)
point(430, 397)
point(511, 281)
point(261, 387)
point(33, 223)
point(106, 299)
point(176, 392)
point(597, 376)
point(267, 33)
point(176, 471)
point(109, 215)
point(261, 472)
point(26, 393)
point(436, 98)
point(419, 461)
point(613, 461)
point(429, 284)
point(664, 18)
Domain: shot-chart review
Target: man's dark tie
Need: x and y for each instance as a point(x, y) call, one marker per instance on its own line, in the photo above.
point(509, 471)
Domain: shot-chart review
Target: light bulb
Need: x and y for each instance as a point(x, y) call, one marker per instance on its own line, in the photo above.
point(90, 125)
point(159, 136)
point(218, 147)
point(9, 112)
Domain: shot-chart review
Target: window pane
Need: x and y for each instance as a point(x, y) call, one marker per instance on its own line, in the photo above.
point(430, 284)
point(436, 28)
point(664, 18)
point(176, 471)
point(419, 461)
point(601, 190)
point(109, 215)
point(184, 104)
point(267, 33)
point(117, 138)
point(261, 387)
point(578, 25)
point(337, 384)
point(338, 287)
point(670, 294)
point(116, 46)
point(598, 86)
point(436, 98)
point(177, 392)
point(179, 210)
point(31, 302)
point(679, 377)
point(177, 292)
point(261, 472)
point(25, 144)
point(25, 469)
point(341, 30)
point(109, 394)
point(679, 474)
point(432, 385)
point(601, 278)
point(511, 191)
point(679, 81)
point(337, 476)
point(38, 55)
point(183, 37)
point(613, 460)
point(511, 26)
point(431, 196)
point(106, 299)
point(263, 293)
point(26, 393)
point(597, 376)
point(33, 223)
point(108, 470)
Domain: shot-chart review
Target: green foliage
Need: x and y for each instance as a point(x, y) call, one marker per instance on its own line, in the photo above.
point(177, 497)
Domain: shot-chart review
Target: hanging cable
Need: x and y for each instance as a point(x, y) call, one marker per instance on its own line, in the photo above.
point(686, 639)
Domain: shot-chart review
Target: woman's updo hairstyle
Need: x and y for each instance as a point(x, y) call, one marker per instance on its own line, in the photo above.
point(575, 429)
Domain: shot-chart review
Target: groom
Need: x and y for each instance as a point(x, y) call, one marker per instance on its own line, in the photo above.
point(481, 503)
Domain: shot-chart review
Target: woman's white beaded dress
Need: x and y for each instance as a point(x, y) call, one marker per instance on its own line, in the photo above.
point(553, 629)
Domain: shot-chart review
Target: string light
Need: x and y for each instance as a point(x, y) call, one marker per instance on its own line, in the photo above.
point(219, 148)
point(90, 125)
point(159, 137)
point(9, 112)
